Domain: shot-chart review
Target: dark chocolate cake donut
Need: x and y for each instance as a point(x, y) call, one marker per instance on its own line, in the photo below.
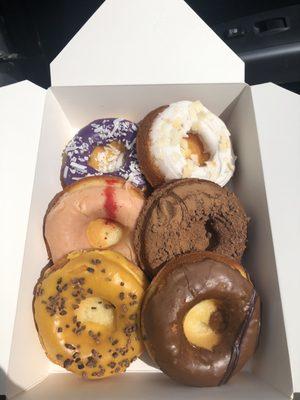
point(103, 147)
point(189, 215)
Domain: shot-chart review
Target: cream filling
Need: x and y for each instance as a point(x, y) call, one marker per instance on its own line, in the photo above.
point(174, 124)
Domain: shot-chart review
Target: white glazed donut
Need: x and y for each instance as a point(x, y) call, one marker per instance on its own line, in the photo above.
point(173, 152)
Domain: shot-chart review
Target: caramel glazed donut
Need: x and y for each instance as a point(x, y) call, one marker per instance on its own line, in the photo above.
point(95, 212)
point(86, 310)
point(201, 319)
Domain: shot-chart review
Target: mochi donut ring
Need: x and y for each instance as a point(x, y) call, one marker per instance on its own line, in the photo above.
point(103, 147)
point(86, 310)
point(95, 212)
point(201, 319)
point(184, 140)
point(189, 215)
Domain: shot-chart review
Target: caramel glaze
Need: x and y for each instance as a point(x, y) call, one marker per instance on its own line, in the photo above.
point(84, 347)
point(183, 282)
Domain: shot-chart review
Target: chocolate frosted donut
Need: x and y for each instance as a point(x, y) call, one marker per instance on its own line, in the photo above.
point(103, 147)
point(189, 215)
point(201, 319)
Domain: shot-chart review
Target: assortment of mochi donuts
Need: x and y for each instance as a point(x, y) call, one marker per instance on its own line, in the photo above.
point(145, 247)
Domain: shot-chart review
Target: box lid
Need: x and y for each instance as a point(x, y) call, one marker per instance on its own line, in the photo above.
point(145, 42)
point(278, 125)
point(21, 107)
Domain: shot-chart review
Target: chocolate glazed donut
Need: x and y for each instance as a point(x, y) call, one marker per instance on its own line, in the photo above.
point(206, 347)
point(188, 215)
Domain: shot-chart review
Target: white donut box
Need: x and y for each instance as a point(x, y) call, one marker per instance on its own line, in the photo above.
point(130, 57)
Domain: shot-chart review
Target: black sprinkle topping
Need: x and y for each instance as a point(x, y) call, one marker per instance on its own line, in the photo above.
point(68, 362)
point(95, 261)
point(70, 346)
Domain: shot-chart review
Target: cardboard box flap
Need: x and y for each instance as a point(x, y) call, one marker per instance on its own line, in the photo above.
point(145, 42)
point(21, 107)
point(278, 125)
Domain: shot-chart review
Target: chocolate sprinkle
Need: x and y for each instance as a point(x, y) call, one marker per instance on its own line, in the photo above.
point(95, 261)
point(130, 329)
point(96, 354)
point(70, 346)
point(91, 270)
point(100, 372)
point(124, 363)
point(68, 362)
point(121, 295)
point(91, 363)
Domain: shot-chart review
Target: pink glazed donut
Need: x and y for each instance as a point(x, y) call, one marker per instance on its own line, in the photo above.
point(95, 212)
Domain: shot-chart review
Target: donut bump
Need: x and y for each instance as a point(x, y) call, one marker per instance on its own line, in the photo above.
point(198, 327)
point(103, 233)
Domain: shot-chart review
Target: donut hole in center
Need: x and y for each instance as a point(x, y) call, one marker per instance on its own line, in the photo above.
point(108, 158)
point(193, 148)
point(97, 312)
point(103, 233)
point(204, 324)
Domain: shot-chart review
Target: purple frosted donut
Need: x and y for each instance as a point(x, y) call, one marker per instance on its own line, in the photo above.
point(104, 147)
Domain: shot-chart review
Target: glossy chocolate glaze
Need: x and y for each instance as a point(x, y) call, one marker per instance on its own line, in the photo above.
point(182, 283)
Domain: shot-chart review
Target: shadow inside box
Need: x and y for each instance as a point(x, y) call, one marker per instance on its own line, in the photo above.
point(7, 384)
point(147, 386)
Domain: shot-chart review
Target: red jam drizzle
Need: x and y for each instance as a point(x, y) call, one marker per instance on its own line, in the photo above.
point(110, 204)
point(111, 181)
